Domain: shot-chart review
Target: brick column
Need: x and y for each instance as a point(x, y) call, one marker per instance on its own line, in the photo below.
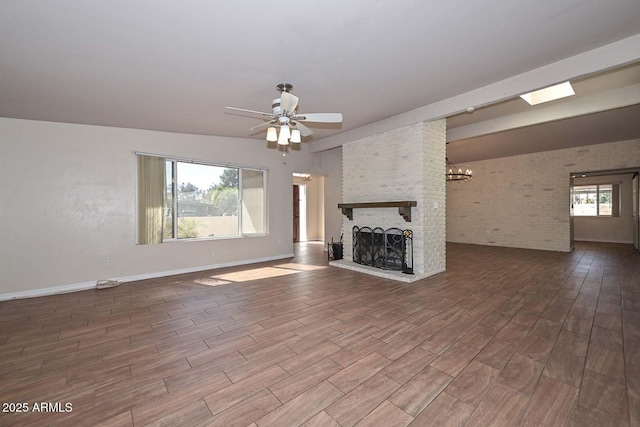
point(403, 164)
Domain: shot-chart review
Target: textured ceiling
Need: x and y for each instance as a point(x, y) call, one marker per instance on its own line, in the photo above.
point(174, 66)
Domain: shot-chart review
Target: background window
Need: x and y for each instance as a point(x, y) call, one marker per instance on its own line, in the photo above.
point(596, 200)
point(206, 201)
point(253, 197)
point(604, 199)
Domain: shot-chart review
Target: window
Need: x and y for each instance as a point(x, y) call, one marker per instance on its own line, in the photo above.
point(596, 200)
point(201, 200)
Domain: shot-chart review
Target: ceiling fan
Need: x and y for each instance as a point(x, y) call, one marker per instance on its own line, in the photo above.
point(285, 117)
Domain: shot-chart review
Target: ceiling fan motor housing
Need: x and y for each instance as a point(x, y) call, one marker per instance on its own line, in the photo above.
point(284, 87)
point(275, 107)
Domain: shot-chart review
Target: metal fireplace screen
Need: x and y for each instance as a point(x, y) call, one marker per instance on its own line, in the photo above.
point(390, 249)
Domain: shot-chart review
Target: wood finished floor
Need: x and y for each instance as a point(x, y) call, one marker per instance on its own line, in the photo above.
point(505, 337)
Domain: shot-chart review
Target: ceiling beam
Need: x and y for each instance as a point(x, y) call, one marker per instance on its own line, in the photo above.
point(604, 58)
point(604, 101)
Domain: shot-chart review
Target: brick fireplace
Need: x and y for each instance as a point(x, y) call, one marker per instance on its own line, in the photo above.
point(405, 164)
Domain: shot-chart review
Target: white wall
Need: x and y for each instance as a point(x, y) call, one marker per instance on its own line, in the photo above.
point(329, 164)
point(523, 201)
point(68, 197)
point(435, 196)
point(607, 229)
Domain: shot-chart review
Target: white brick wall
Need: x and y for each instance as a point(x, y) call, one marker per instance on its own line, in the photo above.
point(435, 135)
point(523, 201)
point(402, 164)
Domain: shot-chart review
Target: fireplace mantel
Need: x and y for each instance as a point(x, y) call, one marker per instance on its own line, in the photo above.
point(404, 207)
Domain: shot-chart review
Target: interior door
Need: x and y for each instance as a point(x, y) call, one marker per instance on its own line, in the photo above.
point(636, 211)
point(296, 213)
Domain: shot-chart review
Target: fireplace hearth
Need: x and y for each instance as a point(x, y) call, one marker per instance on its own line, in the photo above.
point(390, 249)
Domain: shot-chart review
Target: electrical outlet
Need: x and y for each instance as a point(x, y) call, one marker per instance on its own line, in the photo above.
point(213, 254)
point(106, 258)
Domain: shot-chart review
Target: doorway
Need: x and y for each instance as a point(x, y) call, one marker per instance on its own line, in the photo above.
point(299, 213)
point(602, 206)
point(308, 207)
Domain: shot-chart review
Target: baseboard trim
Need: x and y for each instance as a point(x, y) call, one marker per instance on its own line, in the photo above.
point(34, 293)
point(630, 242)
point(64, 289)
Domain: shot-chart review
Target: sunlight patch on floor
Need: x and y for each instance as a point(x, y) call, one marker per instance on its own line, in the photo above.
point(301, 267)
point(211, 282)
point(255, 274)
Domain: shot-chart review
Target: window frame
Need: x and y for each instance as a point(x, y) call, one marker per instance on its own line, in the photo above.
point(174, 191)
point(614, 189)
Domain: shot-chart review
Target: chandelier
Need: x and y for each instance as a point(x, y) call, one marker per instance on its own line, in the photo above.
point(460, 175)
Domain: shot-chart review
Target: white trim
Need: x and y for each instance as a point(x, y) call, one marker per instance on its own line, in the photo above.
point(92, 285)
point(199, 162)
point(630, 242)
point(48, 291)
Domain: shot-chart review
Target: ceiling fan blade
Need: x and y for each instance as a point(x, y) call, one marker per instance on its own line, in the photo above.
point(260, 127)
point(304, 131)
point(320, 117)
point(288, 103)
point(250, 111)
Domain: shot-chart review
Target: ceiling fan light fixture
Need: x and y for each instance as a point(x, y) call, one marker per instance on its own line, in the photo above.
point(282, 141)
point(295, 136)
point(272, 134)
point(286, 131)
point(282, 138)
